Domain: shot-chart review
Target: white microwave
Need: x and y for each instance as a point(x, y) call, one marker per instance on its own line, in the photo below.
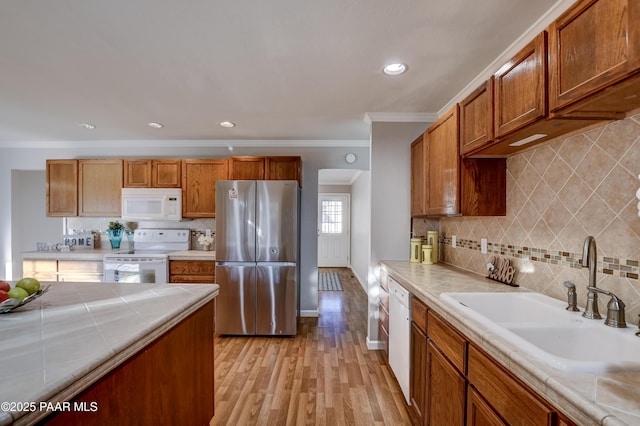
point(151, 203)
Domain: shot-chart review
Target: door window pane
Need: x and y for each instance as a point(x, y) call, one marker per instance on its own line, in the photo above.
point(331, 217)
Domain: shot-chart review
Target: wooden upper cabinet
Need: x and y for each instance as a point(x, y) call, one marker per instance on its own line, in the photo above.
point(246, 168)
point(592, 46)
point(99, 188)
point(166, 173)
point(199, 186)
point(443, 165)
point(283, 168)
point(62, 187)
point(152, 173)
point(520, 88)
point(137, 173)
point(418, 176)
point(476, 118)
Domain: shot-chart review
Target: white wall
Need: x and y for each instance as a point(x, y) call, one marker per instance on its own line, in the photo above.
point(390, 205)
point(324, 155)
point(361, 226)
point(28, 206)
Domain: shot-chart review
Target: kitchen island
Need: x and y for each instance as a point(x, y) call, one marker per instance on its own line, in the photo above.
point(87, 353)
point(587, 399)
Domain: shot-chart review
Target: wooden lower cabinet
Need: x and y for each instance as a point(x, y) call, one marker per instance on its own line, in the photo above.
point(446, 390)
point(40, 269)
point(479, 413)
point(192, 271)
point(454, 383)
point(506, 394)
point(418, 376)
point(88, 271)
point(168, 382)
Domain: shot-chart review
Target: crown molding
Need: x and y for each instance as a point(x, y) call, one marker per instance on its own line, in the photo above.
point(400, 117)
point(184, 143)
point(540, 25)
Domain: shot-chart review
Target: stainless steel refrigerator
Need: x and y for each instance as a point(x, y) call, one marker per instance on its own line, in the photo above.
point(257, 257)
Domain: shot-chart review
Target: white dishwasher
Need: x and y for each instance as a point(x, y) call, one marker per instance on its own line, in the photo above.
point(400, 335)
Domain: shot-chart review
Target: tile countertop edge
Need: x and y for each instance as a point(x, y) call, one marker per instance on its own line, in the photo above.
point(98, 254)
point(544, 380)
point(114, 360)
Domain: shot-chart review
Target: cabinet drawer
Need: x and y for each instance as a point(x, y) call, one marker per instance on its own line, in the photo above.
point(419, 313)
point(191, 267)
point(452, 344)
point(192, 279)
point(502, 389)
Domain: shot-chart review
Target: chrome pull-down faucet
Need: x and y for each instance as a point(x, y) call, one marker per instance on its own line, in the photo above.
point(590, 260)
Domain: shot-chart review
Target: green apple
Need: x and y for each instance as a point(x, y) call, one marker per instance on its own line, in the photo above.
point(18, 293)
point(31, 285)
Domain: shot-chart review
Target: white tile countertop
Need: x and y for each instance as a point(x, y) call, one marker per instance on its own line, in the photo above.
point(99, 254)
point(588, 399)
point(74, 334)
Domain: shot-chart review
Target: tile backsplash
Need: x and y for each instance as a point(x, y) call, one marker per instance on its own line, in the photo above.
point(557, 195)
point(197, 227)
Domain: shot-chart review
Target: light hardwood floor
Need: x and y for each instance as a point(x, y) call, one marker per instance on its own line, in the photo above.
point(323, 376)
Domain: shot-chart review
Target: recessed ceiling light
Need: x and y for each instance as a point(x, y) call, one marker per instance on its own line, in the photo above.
point(155, 125)
point(227, 124)
point(87, 126)
point(394, 69)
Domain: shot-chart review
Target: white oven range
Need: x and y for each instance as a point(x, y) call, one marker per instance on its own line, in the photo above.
point(149, 261)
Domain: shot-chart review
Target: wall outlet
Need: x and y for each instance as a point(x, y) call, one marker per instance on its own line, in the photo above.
point(454, 241)
point(483, 245)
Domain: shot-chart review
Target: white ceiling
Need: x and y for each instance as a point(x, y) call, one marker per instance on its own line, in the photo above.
point(280, 69)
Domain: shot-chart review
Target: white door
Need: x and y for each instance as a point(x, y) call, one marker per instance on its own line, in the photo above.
point(333, 230)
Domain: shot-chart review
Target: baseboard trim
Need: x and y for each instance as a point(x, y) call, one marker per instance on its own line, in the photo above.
point(309, 314)
point(375, 345)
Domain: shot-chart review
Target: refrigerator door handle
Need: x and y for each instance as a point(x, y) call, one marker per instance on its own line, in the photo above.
point(276, 264)
point(235, 263)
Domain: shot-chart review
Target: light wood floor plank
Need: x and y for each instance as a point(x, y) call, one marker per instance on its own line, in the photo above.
point(325, 375)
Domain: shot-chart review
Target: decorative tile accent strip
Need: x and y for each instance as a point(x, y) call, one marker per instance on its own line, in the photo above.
point(608, 265)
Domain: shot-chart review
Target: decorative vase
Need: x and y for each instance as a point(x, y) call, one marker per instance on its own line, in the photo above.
point(115, 237)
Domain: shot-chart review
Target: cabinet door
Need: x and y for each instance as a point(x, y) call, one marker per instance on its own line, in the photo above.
point(166, 173)
point(594, 44)
point(40, 269)
point(520, 88)
point(62, 188)
point(199, 186)
point(283, 168)
point(80, 270)
point(246, 168)
point(443, 165)
point(510, 398)
point(418, 375)
point(479, 413)
point(445, 390)
point(99, 188)
point(476, 118)
point(418, 177)
point(483, 185)
point(137, 173)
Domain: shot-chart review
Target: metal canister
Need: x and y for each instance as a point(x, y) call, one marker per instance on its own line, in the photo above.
point(416, 250)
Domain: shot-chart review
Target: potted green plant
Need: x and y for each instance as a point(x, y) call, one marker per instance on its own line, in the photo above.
point(115, 231)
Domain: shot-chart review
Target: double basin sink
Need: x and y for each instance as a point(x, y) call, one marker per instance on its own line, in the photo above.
point(540, 326)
